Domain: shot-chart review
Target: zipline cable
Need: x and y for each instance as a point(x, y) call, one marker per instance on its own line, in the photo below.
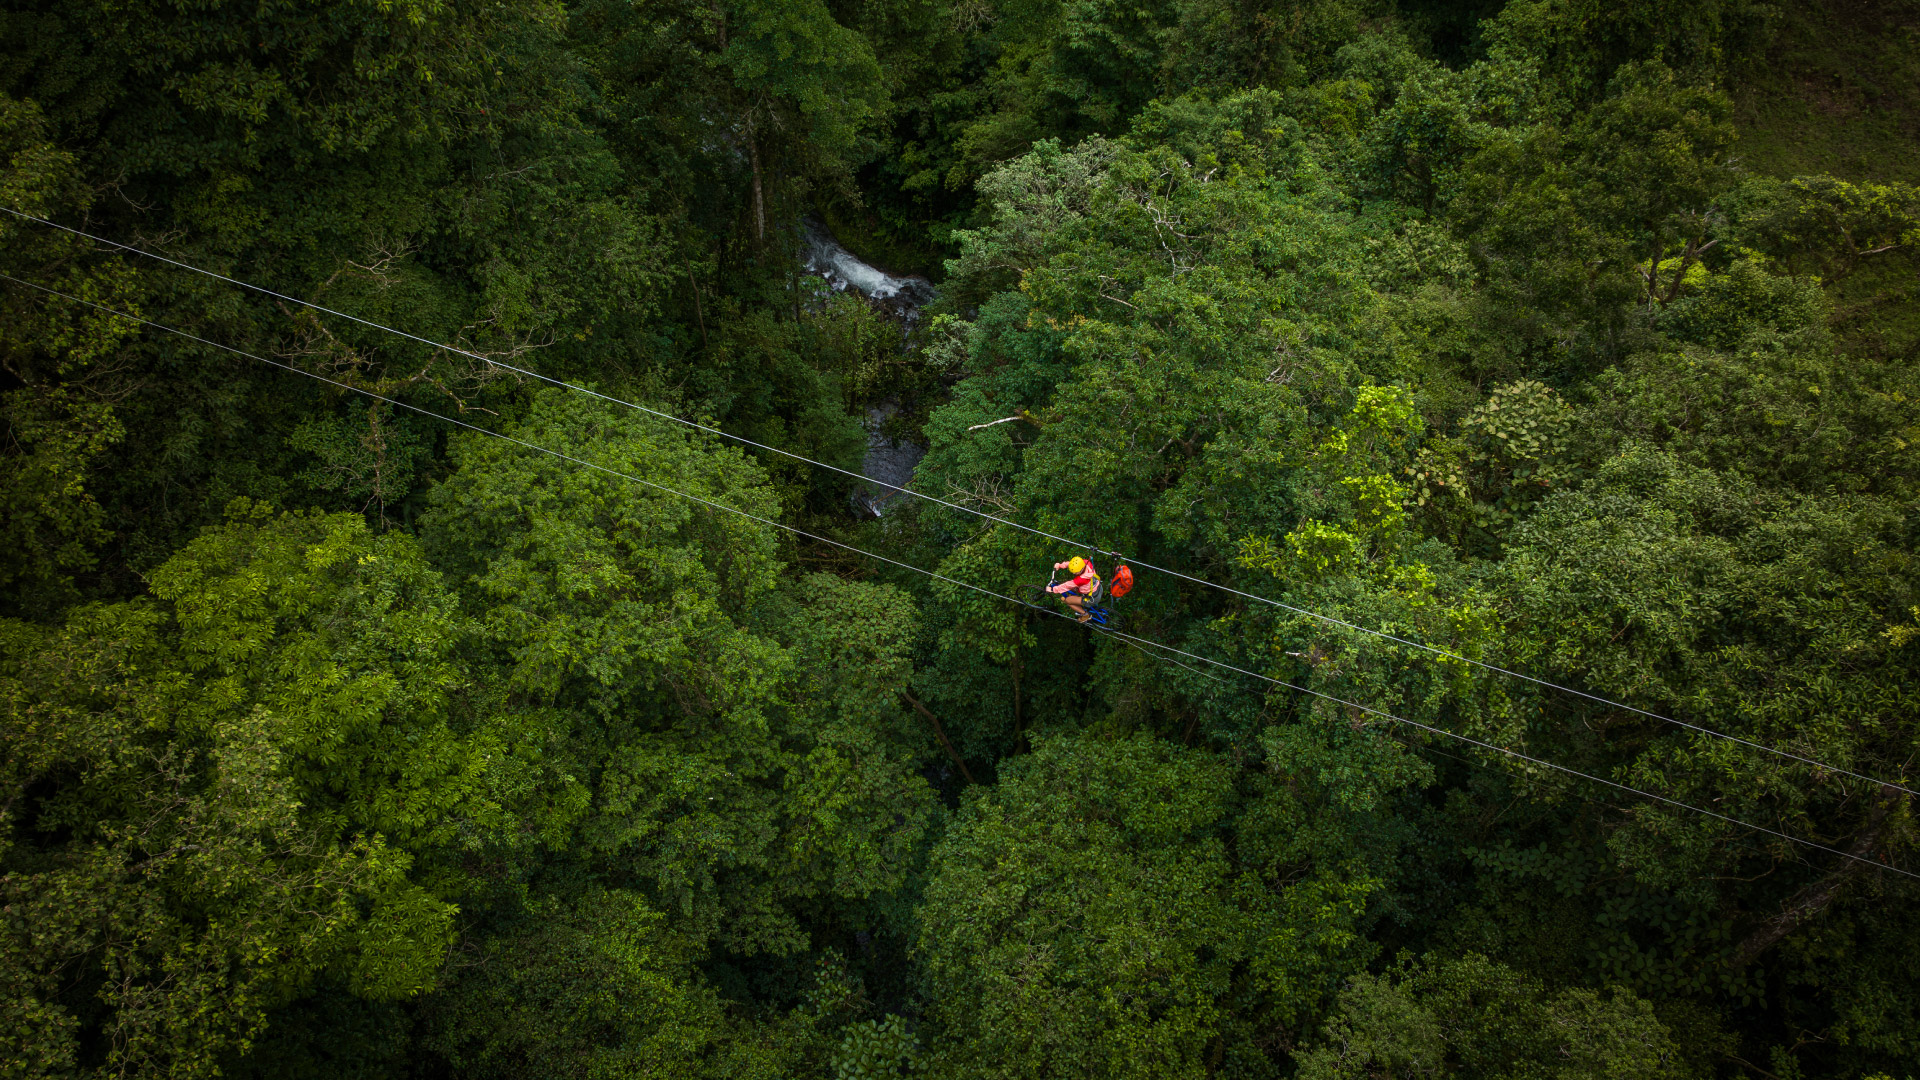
point(1328, 619)
point(962, 584)
point(1523, 757)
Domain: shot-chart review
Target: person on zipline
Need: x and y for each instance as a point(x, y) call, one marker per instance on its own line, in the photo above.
point(1078, 589)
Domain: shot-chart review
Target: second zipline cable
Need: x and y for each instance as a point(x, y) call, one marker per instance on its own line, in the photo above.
point(964, 584)
point(1328, 619)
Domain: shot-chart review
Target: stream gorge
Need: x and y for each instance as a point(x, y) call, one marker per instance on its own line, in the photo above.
point(888, 463)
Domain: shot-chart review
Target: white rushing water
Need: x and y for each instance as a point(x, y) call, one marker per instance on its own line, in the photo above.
point(844, 270)
point(888, 463)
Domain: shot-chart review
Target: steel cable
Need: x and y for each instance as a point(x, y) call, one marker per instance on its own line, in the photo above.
point(1327, 619)
point(1147, 642)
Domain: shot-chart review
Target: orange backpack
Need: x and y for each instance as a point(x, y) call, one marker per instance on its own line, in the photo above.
point(1122, 581)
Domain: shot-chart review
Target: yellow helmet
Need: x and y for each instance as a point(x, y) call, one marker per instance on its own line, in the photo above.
point(1076, 564)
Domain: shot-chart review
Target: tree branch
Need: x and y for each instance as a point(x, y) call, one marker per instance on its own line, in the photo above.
point(1021, 415)
point(939, 733)
point(1816, 896)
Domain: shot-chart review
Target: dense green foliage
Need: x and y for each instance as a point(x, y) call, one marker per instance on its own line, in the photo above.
point(338, 740)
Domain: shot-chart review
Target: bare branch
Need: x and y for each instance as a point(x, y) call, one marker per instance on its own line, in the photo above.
point(1021, 415)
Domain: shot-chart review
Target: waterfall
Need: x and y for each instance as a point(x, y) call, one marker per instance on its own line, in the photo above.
point(843, 270)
